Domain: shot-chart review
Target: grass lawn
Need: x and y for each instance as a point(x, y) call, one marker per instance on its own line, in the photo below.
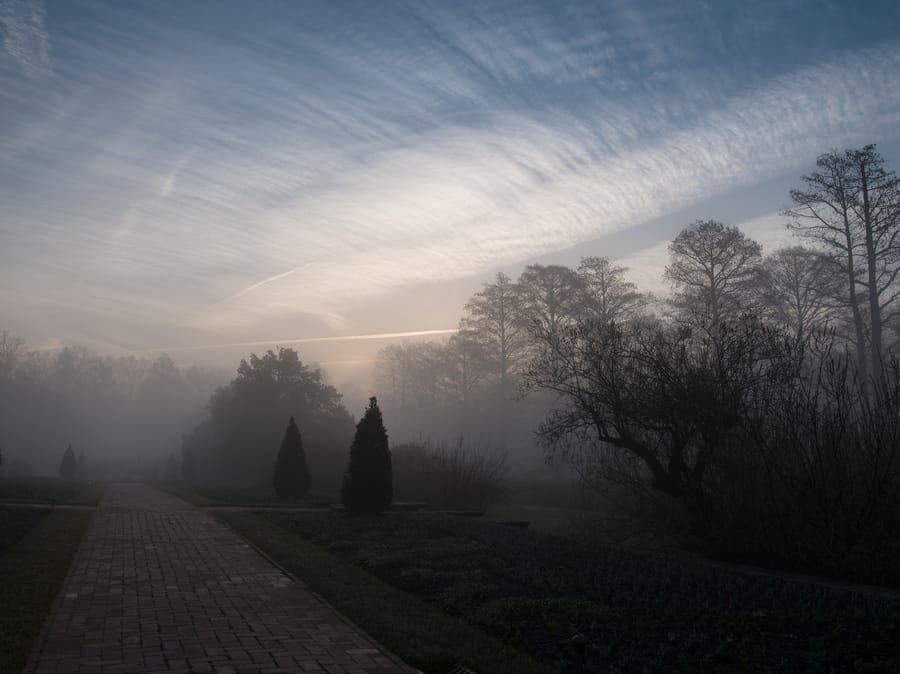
point(587, 608)
point(31, 573)
point(51, 490)
point(15, 523)
point(422, 635)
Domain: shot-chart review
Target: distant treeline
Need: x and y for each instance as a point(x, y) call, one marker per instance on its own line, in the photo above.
point(125, 414)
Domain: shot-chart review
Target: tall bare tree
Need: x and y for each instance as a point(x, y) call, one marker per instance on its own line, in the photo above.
point(464, 362)
point(798, 290)
point(850, 207)
point(713, 269)
point(493, 314)
point(548, 297)
point(606, 295)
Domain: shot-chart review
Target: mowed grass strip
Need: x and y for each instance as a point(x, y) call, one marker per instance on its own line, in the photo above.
point(31, 574)
point(51, 491)
point(15, 523)
point(47, 490)
point(420, 634)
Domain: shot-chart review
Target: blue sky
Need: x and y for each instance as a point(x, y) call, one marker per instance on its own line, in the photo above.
point(187, 174)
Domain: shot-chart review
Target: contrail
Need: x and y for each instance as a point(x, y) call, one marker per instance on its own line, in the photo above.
point(306, 340)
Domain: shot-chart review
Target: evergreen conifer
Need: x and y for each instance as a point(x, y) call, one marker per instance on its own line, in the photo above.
point(367, 487)
point(171, 468)
point(68, 467)
point(291, 475)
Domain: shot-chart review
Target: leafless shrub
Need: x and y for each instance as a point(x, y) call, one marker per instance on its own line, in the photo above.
point(458, 477)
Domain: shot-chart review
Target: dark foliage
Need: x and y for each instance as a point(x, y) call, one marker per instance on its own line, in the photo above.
point(591, 608)
point(367, 486)
point(245, 417)
point(68, 467)
point(291, 476)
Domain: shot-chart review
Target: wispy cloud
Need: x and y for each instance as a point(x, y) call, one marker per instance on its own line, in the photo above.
point(307, 340)
point(25, 37)
point(462, 201)
point(198, 179)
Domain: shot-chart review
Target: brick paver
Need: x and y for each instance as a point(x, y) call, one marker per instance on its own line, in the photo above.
point(159, 585)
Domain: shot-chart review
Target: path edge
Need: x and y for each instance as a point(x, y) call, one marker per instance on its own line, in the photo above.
point(37, 647)
point(393, 657)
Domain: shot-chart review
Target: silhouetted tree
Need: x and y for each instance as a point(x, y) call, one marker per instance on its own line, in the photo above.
point(171, 468)
point(68, 466)
point(652, 404)
point(493, 316)
point(713, 269)
point(851, 208)
point(247, 414)
point(548, 298)
point(607, 296)
point(798, 290)
point(367, 486)
point(291, 476)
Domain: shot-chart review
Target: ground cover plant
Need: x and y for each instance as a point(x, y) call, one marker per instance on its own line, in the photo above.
point(422, 635)
point(32, 571)
point(590, 608)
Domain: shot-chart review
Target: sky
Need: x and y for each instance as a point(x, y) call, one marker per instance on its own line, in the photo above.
point(215, 178)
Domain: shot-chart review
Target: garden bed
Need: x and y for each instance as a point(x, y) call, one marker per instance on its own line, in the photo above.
point(590, 608)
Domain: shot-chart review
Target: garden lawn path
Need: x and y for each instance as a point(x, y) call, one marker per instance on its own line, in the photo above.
point(160, 585)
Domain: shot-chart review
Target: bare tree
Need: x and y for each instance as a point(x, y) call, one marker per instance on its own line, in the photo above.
point(713, 268)
point(607, 296)
point(850, 207)
point(493, 315)
point(12, 350)
point(549, 296)
point(652, 404)
point(464, 363)
point(798, 290)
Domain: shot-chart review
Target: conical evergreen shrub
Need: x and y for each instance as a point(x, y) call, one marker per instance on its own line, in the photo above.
point(367, 488)
point(171, 468)
point(68, 467)
point(291, 477)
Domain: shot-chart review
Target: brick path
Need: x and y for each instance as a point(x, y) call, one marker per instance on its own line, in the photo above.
point(159, 585)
